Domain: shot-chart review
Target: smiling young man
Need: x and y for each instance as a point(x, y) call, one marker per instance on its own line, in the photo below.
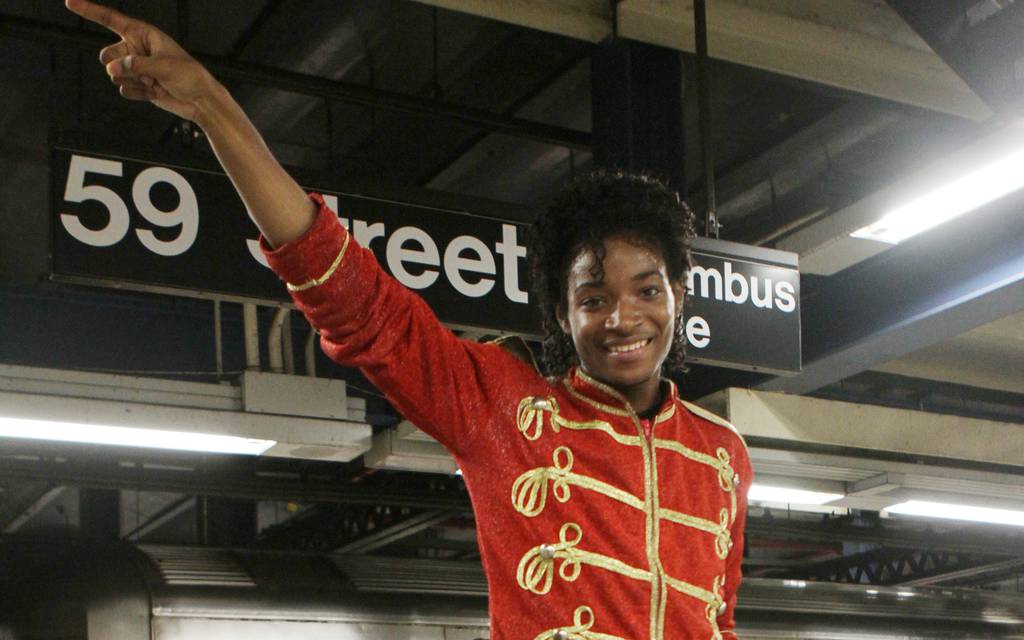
point(607, 508)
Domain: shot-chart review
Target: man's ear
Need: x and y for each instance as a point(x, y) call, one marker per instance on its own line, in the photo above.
point(563, 319)
point(679, 289)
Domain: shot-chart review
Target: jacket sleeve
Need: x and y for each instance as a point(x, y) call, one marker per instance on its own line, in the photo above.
point(366, 319)
point(733, 563)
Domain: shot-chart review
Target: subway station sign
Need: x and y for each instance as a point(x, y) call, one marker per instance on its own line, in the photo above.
point(137, 224)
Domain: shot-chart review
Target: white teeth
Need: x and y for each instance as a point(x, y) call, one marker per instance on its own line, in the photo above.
point(625, 348)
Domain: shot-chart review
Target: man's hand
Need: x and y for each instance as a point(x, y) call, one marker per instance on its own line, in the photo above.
point(147, 64)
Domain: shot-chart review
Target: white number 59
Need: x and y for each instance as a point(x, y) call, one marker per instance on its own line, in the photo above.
point(186, 214)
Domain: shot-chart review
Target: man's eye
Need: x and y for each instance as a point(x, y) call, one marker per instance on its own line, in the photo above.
point(590, 302)
point(651, 292)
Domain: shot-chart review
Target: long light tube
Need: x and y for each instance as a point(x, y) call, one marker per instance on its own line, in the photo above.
point(949, 201)
point(130, 436)
point(763, 493)
point(958, 512)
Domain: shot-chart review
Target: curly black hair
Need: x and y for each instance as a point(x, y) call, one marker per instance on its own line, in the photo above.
point(591, 208)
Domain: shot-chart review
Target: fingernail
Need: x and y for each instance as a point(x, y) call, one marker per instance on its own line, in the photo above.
point(126, 64)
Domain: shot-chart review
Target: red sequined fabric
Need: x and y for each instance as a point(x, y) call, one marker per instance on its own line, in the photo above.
point(588, 527)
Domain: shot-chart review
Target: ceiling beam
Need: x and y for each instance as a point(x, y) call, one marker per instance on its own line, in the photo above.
point(979, 40)
point(315, 86)
point(781, 419)
point(404, 528)
point(857, 45)
point(962, 539)
point(103, 475)
point(954, 278)
point(975, 575)
point(24, 501)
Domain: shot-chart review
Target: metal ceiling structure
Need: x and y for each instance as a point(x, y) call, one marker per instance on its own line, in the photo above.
point(825, 113)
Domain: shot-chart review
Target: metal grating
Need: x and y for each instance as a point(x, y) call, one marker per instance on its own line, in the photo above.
point(180, 566)
point(400, 575)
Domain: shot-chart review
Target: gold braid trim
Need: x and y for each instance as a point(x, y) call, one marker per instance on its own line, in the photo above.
point(582, 621)
point(530, 421)
point(537, 567)
point(703, 458)
point(530, 490)
point(691, 590)
point(316, 282)
point(530, 496)
point(607, 408)
point(666, 414)
point(723, 539)
point(714, 608)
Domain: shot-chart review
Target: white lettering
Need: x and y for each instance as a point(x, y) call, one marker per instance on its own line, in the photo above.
point(186, 214)
point(734, 279)
point(698, 333)
point(397, 255)
point(455, 264)
point(784, 300)
point(705, 275)
point(77, 191)
point(365, 233)
point(761, 302)
point(511, 252)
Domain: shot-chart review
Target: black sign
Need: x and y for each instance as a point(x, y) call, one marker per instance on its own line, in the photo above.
point(743, 307)
point(130, 223)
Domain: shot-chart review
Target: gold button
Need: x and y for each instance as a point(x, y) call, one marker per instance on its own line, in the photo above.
point(736, 479)
point(561, 634)
point(721, 609)
point(541, 404)
point(730, 544)
point(547, 551)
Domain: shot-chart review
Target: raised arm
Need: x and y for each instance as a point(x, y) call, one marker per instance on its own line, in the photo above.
point(149, 65)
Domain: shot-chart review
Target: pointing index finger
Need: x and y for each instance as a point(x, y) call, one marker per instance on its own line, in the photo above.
point(102, 15)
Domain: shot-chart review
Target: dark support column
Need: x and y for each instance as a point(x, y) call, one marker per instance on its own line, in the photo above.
point(226, 522)
point(637, 96)
point(99, 513)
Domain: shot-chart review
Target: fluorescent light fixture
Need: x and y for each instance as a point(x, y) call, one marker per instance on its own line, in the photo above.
point(958, 512)
point(130, 437)
point(762, 493)
point(948, 201)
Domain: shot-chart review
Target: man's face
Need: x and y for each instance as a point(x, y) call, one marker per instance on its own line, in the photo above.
point(622, 320)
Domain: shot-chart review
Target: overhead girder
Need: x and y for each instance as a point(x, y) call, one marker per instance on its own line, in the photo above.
point(954, 278)
point(859, 45)
point(310, 85)
point(351, 529)
point(960, 541)
point(979, 40)
point(891, 567)
point(101, 474)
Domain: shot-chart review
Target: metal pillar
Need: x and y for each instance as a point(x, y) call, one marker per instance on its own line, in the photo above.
point(99, 513)
point(637, 95)
point(226, 522)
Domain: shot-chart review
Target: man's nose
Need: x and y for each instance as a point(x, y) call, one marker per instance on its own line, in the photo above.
point(624, 314)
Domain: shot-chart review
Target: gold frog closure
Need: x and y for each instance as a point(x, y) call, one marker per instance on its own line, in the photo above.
point(582, 621)
point(530, 415)
point(715, 608)
point(537, 567)
point(726, 476)
point(530, 490)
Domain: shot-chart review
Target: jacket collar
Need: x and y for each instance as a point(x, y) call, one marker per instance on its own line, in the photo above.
point(606, 399)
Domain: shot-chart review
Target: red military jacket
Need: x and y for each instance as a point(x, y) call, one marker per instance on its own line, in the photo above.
point(593, 524)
